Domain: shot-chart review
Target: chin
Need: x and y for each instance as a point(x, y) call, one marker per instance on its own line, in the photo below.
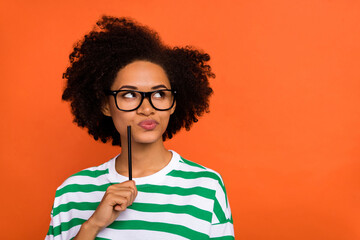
point(148, 138)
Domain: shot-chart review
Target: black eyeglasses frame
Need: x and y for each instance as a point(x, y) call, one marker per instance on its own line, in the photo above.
point(143, 95)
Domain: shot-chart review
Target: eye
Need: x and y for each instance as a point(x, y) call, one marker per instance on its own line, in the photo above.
point(159, 94)
point(128, 95)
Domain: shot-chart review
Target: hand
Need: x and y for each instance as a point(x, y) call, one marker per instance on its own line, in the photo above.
point(116, 199)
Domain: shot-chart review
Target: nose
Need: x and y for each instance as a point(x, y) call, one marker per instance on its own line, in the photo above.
point(145, 107)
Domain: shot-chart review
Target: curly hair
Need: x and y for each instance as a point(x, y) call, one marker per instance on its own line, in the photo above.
point(110, 46)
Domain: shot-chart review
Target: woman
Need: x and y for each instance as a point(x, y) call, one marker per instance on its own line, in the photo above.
point(122, 75)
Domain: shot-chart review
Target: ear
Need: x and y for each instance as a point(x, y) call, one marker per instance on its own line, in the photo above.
point(106, 109)
point(172, 110)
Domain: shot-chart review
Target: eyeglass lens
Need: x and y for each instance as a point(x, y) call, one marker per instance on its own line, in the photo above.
point(128, 100)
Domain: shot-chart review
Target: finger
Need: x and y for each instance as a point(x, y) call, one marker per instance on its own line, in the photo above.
point(129, 183)
point(120, 207)
point(126, 192)
point(120, 191)
point(119, 201)
point(133, 188)
point(113, 197)
point(125, 189)
point(136, 191)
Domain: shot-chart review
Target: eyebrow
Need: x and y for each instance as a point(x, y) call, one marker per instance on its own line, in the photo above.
point(128, 86)
point(135, 88)
point(159, 86)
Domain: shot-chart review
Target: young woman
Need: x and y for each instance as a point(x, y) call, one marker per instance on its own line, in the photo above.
point(121, 75)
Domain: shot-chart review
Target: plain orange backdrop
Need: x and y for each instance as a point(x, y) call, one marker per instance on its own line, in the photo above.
point(284, 123)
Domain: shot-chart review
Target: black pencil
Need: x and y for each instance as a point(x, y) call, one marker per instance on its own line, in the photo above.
point(129, 151)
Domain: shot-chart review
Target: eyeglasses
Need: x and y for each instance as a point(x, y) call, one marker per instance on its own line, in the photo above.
point(130, 100)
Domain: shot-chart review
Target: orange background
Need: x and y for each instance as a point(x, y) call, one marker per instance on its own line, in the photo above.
point(284, 124)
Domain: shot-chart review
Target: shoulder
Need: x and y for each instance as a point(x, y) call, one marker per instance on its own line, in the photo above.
point(191, 170)
point(210, 179)
point(89, 178)
point(205, 178)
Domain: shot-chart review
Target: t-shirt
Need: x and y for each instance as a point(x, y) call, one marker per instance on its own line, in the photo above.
point(184, 200)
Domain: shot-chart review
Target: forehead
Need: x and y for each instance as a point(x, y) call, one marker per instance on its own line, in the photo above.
point(141, 74)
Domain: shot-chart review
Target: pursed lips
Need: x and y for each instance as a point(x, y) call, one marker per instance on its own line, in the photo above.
point(148, 124)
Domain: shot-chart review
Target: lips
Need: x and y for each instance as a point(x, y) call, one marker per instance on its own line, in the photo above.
point(148, 124)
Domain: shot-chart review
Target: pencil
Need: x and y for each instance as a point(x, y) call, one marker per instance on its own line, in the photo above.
point(129, 151)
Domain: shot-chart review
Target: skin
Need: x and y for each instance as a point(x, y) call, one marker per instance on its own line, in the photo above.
point(149, 154)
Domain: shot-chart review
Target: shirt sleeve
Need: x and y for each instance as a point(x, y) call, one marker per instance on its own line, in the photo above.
point(63, 226)
point(50, 233)
point(222, 222)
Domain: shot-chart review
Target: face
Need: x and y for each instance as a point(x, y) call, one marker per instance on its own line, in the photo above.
point(147, 124)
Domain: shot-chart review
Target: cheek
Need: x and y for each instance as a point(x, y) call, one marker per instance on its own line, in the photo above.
point(165, 121)
point(120, 120)
point(118, 125)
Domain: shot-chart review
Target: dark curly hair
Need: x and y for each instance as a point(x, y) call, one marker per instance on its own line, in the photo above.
point(110, 46)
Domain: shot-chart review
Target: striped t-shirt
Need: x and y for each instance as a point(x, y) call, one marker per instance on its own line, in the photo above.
point(184, 200)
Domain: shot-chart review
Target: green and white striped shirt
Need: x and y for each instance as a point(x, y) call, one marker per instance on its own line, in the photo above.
point(182, 201)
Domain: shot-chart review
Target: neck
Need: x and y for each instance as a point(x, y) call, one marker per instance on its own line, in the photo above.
point(147, 159)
